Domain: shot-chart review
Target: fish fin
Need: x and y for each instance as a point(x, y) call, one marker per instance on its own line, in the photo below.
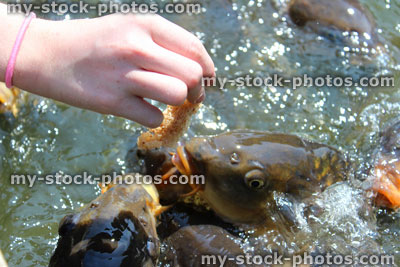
point(80, 247)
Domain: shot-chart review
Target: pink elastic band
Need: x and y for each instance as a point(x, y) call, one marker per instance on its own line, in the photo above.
point(14, 52)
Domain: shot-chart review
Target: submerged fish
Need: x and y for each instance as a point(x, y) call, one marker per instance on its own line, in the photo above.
point(245, 169)
point(332, 18)
point(195, 246)
point(118, 228)
point(386, 175)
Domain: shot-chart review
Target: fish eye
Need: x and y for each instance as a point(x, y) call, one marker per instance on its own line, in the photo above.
point(235, 158)
point(256, 183)
point(255, 179)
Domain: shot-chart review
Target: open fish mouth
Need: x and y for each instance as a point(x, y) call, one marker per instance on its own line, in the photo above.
point(182, 163)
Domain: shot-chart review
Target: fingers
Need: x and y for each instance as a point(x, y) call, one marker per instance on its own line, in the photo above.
point(166, 62)
point(163, 88)
point(176, 39)
point(137, 109)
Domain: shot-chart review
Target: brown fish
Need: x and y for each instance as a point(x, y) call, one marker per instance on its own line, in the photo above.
point(202, 245)
point(244, 169)
point(332, 18)
point(118, 228)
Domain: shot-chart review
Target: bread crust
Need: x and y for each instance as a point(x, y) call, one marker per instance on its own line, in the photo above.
point(175, 124)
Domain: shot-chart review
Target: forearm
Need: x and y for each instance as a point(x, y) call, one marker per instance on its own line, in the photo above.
point(8, 33)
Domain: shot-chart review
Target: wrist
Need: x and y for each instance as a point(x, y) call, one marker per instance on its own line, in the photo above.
point(9, 30)
point(31, 53)
point(34, 56)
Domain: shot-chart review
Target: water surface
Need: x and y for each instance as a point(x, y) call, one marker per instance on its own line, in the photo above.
point(243, 37)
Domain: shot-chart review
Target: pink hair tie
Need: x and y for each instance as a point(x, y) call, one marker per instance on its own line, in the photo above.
point(14, 52)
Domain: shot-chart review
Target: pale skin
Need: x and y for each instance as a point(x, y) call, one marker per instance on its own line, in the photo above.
point(110, 65)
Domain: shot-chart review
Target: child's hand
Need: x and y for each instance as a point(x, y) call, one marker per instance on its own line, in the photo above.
point(110, 64)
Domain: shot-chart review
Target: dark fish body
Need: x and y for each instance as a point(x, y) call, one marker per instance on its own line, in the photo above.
point(115, 229)
point(390, 141)
point(332, 18)
point(190, 246)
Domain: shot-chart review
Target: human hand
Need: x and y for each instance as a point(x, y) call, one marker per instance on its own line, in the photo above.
point(110, 64)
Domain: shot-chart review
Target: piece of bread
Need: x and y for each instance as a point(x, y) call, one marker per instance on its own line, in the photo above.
point(175, 124)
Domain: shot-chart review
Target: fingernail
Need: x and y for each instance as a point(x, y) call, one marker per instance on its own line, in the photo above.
point(155, 121)
point(201, 97)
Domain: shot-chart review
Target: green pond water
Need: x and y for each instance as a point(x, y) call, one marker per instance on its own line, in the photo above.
point(246, 37)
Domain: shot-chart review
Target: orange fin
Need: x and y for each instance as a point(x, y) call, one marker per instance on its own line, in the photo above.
point(387, 185)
